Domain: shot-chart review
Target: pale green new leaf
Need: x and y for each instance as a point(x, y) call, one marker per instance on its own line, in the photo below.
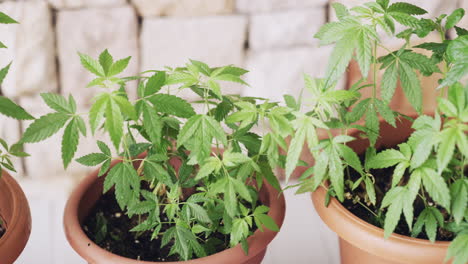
point(106, 61)
point(119, 66)
point(91, 65)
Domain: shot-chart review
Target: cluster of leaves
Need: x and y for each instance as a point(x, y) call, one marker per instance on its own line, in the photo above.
point(430, 166)
point(12, 110)
point(191, 174)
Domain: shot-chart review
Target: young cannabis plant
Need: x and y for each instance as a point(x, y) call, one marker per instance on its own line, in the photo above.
point(10, 109)
point(430, 167)
point(185, 175)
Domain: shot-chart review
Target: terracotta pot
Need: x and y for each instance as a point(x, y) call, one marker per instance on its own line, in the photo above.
point(88, 192)
point(363, 243)
point(14, 211)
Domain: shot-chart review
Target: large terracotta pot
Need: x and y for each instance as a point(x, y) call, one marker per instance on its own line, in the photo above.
point(14, 211)
point(363, 243)
point(88, 192)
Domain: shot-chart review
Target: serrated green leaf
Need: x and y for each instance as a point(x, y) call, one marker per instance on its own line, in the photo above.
point(341, 10)
point(106, 61)
point(372, 124)
point(96, 113)
point(230, 78)
point(3, 72)
point(430, 217)
point(454, 18)
point(126, 181)
point(5, 19)
point(436, 187)
point(93, 159)
point(172, 105)
point(406, 8)
point(399, 172)
point(200, 131)
point(119, 66)
point(199, 213)
point(418, 61)
point(411, 85)
point(459, 199)
point(230, 199)
point(405, 19)
point(125, 106)
point(114, 123)
point(340, 57)
point(44, 127)
point(336, 173)
point(10, 109)
point(389, 82)
point(457, 249)
point(364, 52)
point(91, 65)
point(155, 83)
point(201, 67)
point(70, 141)
point(446, 147)
point(153, 124)
point(386, 112)
point(385, 159)
point(57, 102)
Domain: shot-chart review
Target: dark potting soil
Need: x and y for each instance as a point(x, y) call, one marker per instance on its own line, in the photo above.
point(383, 179)
point(108, 226)
point(2, 228)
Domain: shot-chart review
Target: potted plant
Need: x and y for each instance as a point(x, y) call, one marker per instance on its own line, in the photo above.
point(393, 188)
point(15, 217)
point(175, 185)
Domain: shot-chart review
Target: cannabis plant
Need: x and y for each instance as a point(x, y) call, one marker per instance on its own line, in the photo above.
point(12, 110)
point(222, 163)
point(430, 167)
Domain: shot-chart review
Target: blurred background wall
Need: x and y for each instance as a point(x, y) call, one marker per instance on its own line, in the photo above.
point(271, 38)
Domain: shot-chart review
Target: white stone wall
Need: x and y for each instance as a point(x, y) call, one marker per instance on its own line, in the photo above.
point(271, 38)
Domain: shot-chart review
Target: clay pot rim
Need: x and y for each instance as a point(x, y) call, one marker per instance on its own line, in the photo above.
point(74, 232)
point(370, 238)
point(18, 228)
point(345, 213)
point(19, 205)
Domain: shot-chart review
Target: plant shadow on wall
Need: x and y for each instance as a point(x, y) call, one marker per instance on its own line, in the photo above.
point(423, 178)
point(178, 185)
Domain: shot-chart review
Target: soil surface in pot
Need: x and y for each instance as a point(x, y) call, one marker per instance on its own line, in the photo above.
point(108, 226)
point(358, 203)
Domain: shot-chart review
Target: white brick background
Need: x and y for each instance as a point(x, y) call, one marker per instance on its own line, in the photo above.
point(271, 38)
